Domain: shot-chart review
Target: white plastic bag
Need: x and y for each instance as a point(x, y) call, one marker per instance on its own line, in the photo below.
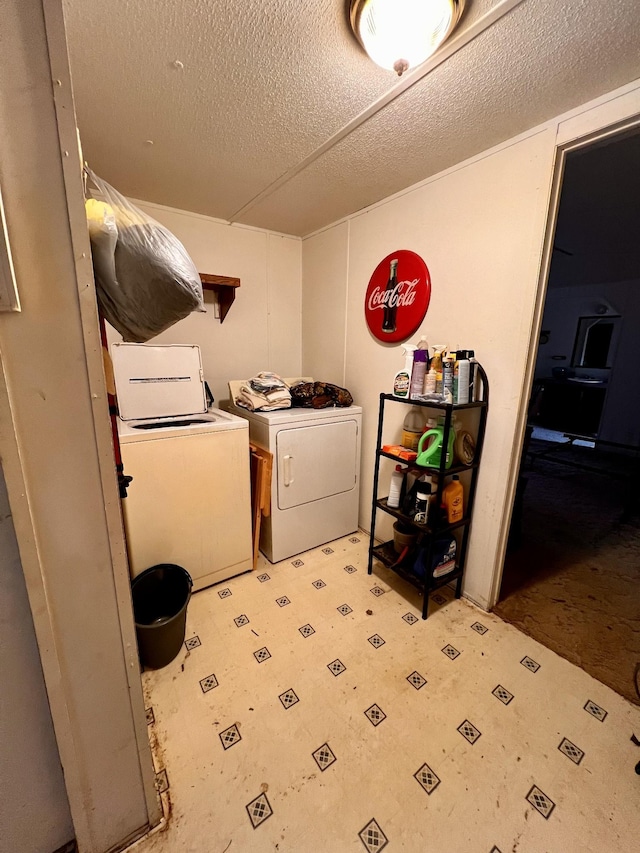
point(145, 279)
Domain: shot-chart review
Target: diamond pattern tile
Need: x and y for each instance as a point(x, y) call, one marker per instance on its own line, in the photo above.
point(244, 712)
point(439, 599)
point(282, 601)
point(264, 577)
point(354, 539)
point(377, 591)
point(495, 849)
point(297, 563)
point(192, 643)
point(336, 667)
point(208, 683)
point(288, 698)
point(230, 736)
point(375, 715)
point(450, 652)
point(595, 710)
point(530, 664)
point(344, 609)
point(262, 654)
point(541, 802)
point(427, 778)
point(417, 680)
point(259, 810)
point(502, 694)
point(224, 593)
point(150, 716)
point(571, 751)
point(373, 837)
point(324, 756)
point(327, 550)
point(469, 731)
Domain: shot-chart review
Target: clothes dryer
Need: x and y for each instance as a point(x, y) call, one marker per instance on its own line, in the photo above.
point(316, 475)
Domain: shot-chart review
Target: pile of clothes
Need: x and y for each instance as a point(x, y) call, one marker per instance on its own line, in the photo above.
point(267, 391)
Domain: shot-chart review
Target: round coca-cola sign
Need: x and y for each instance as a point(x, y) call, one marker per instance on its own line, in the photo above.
point(397, 297)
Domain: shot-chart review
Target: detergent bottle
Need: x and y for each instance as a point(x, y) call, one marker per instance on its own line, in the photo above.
point(431, 455)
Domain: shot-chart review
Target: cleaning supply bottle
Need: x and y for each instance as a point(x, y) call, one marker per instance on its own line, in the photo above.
point(473, 363)
point(395, 488)
point(430, 381)
point(448, 363)
point(462, 377)
point(453, 499)
point(402, 379)
point(423, 497)
point(436, 365)
point(431, 455)
point(420, 359)
point(412, 428)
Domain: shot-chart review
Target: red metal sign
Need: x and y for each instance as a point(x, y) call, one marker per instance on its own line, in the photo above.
point(397, 297)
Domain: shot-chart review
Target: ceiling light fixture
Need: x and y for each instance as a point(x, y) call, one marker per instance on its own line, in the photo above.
point(400, 34)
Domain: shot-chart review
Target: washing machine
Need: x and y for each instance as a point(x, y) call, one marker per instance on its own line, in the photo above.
point(190, 498)
point(315, 480)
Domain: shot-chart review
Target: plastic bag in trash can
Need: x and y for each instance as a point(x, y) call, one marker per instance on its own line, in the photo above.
point(145, 279)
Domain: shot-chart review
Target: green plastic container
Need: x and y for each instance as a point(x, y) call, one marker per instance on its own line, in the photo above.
point(431, 456)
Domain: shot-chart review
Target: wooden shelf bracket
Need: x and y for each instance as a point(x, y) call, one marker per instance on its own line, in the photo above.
point(224, 287)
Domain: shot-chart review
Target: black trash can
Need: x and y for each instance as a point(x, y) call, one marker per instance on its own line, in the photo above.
point(160, 597)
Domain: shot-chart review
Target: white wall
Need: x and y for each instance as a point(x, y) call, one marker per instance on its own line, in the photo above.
point(479, 228)
point(564, 305)
point(262, 330)
point(34, 812)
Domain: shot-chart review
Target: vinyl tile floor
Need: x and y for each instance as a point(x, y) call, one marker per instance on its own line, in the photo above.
point(312, 710)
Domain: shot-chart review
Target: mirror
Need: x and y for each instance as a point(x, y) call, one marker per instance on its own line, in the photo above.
point(594, 338)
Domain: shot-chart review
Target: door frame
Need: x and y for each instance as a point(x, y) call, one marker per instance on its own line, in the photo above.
point(606, 120)
point(56, 448)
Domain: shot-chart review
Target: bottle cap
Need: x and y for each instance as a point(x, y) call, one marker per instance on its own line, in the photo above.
point(455, 477)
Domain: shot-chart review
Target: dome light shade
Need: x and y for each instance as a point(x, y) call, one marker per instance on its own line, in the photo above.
point(400, 34)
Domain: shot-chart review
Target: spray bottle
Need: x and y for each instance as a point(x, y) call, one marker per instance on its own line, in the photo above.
point(402, 379)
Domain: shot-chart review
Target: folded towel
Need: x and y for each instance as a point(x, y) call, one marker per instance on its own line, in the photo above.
point(264, 392)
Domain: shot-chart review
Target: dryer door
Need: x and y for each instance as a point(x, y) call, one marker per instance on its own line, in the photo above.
point(316, 462)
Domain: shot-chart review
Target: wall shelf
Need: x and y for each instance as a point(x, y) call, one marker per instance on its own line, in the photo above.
point(224, 287)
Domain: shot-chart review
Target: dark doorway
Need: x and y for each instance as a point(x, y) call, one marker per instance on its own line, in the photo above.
point(572, 574)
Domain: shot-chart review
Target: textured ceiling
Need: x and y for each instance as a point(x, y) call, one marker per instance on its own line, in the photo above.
point(258, 122)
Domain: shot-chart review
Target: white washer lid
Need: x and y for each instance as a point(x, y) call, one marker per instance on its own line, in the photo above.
point(158, 381)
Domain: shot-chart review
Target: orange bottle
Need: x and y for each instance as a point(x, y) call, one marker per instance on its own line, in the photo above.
point(453, 500)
